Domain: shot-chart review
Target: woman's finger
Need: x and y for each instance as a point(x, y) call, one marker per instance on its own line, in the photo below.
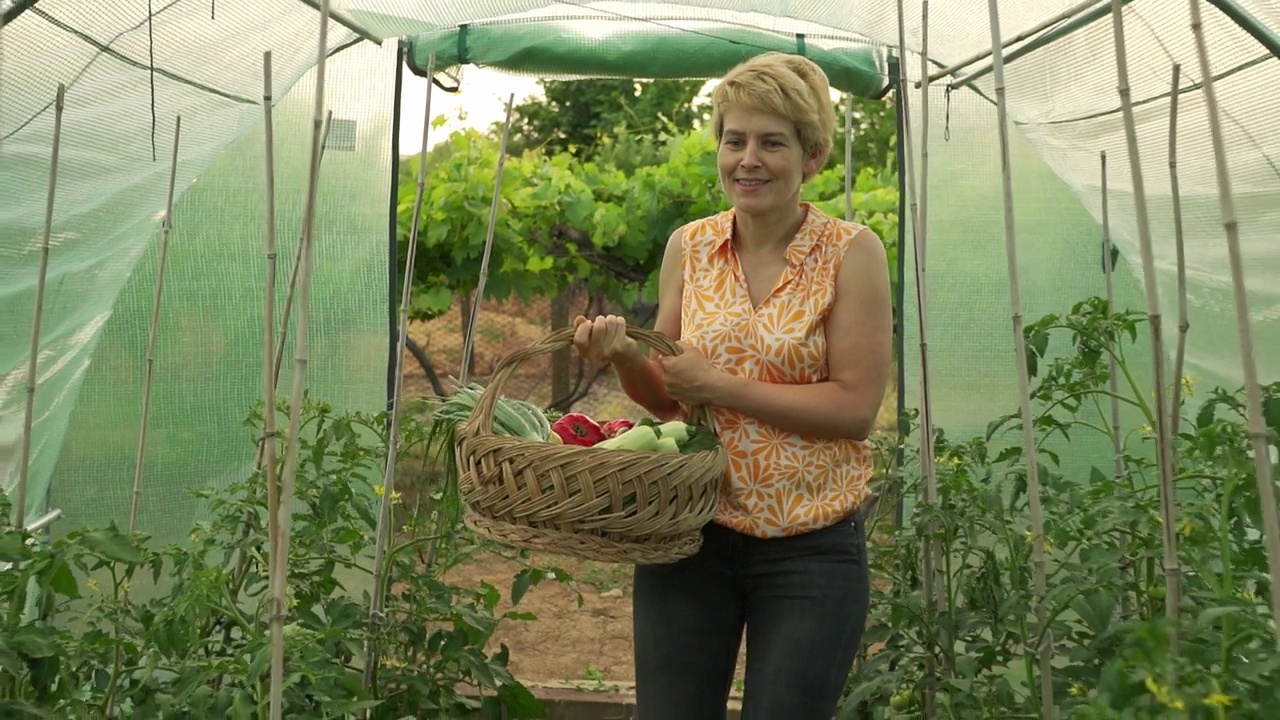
point(582, 337)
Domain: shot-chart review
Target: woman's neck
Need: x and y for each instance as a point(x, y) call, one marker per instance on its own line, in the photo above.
point(766, 234)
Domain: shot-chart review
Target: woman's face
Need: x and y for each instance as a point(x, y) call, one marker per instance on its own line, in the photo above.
point(761, 162)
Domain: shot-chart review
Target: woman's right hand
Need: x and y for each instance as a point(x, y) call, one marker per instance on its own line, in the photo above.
point(605, 339)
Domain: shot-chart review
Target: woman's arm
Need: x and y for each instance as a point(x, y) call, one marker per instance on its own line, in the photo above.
point(641, 377)
point(859, 330)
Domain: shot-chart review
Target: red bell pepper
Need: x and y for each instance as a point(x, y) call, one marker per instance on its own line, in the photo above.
point(578, 429)
point(614, 427)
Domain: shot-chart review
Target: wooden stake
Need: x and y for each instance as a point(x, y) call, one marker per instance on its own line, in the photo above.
point(1030, 456)
point(270, 375)
point(932, 495)
point(291, 291)
point(280, 544)
point(1183, 323)
point(488, 246)
point(1231, 226)
point(378, 593)
point(1117, 441)
point(929, 577)
point(242, 561)
point(24, 469)
point(1167, 512)
point(165, 230)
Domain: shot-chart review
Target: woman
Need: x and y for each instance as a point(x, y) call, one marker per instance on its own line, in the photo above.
point(784, 318)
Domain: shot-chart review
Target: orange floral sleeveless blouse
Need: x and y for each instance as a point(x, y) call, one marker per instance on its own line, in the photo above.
point(778, 483)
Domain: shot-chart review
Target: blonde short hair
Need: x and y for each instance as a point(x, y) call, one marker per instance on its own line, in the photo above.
point(788, 86)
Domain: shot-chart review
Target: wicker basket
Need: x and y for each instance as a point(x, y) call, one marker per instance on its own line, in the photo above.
point(607, 505)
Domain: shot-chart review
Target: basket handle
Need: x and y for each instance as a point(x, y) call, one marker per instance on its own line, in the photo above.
point(481, 420)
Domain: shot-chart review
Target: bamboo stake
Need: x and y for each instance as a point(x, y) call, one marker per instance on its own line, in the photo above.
point(1117, 443)
point(1183, 323)
point(291, 291)
point(488, 246)
point(1030, 457)
point(923, 190)
point(280, 544)
point(24, 469)
point(922, 288)
point(267, 450)
point(242, 562)
point(1231, 226)
point(165, 231)
point(384, 531)
point(1173, 592)
point(929, 576)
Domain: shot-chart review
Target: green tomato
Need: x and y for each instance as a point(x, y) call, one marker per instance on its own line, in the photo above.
point(902, 699)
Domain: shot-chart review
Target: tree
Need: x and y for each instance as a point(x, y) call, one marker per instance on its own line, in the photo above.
point(580, 117)
point(875, 134)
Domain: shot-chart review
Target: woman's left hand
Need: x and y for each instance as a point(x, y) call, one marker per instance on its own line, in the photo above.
point(690, 377)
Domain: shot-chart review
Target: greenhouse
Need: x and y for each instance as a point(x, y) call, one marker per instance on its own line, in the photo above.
point(1076, 508)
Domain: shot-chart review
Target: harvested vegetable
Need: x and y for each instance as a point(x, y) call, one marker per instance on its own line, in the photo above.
point(640, 437)
point(578, 429)
point(511, 417)
point(673, 436)
point(614, 427)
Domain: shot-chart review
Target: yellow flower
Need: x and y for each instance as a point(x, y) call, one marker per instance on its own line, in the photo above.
point(1163, 695)
point(1187, 527)
point(1188, 385)
point(1146, 430)
point(1077, 690)
point(93, 584)
point(1048, 544)
point(379, 490)
point(1218, 700)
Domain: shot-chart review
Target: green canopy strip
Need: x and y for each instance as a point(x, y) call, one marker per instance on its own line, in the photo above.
point(668, 53)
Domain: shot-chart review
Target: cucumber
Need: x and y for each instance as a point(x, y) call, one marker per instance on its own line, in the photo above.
point(640, 437)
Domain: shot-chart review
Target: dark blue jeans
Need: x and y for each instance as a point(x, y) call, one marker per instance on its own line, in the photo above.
point(802, 601)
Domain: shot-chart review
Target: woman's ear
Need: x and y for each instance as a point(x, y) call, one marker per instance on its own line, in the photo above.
point(812, 165)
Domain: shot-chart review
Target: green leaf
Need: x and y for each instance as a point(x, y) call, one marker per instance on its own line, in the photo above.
point(244, 707)
point(62, 580)
point(258, 668)
point(525, 579)
point(16, 710)
point(1096, 476)
point(539, 264)
point(13, 548)
point(350, 708)
point(110, 544)
point(1096, 610)
point(1271, 413)
point(35, 641)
